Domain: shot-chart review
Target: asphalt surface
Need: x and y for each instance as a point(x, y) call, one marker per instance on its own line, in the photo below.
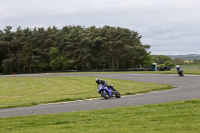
point(185, 88)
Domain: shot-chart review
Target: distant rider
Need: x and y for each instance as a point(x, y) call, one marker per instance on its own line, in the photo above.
point(179, 70)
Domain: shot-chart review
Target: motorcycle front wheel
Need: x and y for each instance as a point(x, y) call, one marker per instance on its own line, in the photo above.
point(104, 94)
point(117, 95)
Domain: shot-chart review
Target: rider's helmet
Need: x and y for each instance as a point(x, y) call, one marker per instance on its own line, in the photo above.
point(177, 67)
point(98, 80)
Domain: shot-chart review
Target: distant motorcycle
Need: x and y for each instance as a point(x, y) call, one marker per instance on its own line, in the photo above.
point(180, 72)
point(108, 92)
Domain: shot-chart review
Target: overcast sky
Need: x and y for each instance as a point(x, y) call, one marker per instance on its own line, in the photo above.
point(169, 26)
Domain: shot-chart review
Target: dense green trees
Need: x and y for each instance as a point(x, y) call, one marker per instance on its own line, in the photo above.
point(178, 61)
point(70, 48)
point(161, 59)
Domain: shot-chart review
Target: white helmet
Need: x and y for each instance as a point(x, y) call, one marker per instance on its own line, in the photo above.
point(177, 66)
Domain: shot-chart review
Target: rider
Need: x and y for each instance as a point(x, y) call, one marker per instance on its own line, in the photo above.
point(103, 83)
point(179, 69)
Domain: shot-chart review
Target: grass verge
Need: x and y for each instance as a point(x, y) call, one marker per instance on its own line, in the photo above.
point(173, 117)
point(27, 91)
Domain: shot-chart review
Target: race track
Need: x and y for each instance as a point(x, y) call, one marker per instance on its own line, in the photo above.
point(186, 88)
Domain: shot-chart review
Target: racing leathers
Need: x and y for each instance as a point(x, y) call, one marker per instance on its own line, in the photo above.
point(104, 83)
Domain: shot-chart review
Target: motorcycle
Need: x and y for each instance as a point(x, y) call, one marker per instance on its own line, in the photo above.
point(108, 92)
point(180, 72)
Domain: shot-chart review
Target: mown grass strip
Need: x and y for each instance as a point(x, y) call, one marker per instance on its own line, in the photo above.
point(27, 91)
point(171, 117)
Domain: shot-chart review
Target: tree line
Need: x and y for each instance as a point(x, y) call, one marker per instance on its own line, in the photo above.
point(71, 48)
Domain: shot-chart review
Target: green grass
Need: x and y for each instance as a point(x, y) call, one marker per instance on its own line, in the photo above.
point(174, 117)
point(193, 72)
point(191, 66)
point(27, 91)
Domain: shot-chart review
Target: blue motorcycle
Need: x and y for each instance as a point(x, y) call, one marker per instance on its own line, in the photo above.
point(108, 92)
